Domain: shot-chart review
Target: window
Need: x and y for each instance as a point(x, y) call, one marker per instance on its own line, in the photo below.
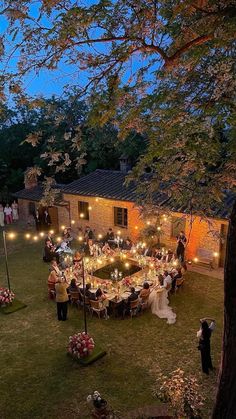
point(83, 208)
point(178, 224)
point(120, 217)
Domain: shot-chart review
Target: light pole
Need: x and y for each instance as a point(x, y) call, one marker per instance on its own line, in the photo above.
point(85, 314)
point(6, 259)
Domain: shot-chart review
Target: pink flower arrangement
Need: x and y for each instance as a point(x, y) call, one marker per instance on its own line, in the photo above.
point(127, 281)
point(6, 296)
point(80, 345)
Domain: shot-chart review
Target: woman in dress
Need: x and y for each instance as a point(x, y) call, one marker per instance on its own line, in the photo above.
point(204, 335)
point(159, 303)
point(15, 214)
point(8, 214)
point(1, 216)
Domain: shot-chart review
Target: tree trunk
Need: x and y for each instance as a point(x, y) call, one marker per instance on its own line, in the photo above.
point(225, 405)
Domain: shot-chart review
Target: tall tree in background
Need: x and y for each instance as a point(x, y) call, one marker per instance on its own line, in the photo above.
point(163, 68)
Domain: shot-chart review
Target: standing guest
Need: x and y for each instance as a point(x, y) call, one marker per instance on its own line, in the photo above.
point(15, 213)
point(49, 253)
point(181, 243)
point(8, 214)
point(204, 335)
point(50, 239)
point(38, 220)
point(1, 216)
point(61, 299)
point(46, 219)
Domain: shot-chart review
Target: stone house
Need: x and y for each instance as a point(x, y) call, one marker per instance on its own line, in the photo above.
point(101, 200)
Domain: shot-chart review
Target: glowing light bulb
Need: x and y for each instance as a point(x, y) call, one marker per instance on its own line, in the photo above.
point(100, 236)
point(89, 207)
point(112, 259)
point(80, 238)
point(216, 254)
point(148, 223)
point(118, 232)
point(11, 235)
point(195, 259)
point(81, 215)
point(97, 199)
point(51, 231)
point(41, 234)
point(27, 236)
point(158, 228)
point(126, 264)
point(136, 227)
point(58, 239)
point(72, 222)
point(35, 238)
point(63, 227)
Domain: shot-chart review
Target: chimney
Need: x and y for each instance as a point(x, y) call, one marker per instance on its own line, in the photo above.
point(125, 165)
point(30, 178)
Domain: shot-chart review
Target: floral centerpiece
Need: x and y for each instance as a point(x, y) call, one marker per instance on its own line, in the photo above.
point(127, 281)
point(6, 296)
point(80, 345)
point(97, 401)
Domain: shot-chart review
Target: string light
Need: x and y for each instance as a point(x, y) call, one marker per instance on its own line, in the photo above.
point(35, 238)
point(41, 234)
point(158, 228)
point(80, 238)
point(148, 223)
point(58, 239)
point(112, 259)
point(195, 259)
point(118, 232)
point(136, 227)
point(126, 264)
point(27, 236)
point(100, 236)
point(81, 215)
point(72, 222)
point(89, 207)
point(97, 199)
point(215, 254)
point(11, 235)
point(51, 231)
point(63, 227)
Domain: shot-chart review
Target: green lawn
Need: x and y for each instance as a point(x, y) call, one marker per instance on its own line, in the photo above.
point(38, 380)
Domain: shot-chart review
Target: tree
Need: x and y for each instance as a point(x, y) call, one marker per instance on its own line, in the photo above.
point(162, 68)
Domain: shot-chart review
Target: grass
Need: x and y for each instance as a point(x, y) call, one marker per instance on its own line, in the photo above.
point(38, 380)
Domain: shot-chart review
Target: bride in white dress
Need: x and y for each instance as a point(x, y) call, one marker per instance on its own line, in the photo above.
point(159, 303)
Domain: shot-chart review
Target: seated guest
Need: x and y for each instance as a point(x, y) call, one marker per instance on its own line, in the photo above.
point(145, 291)
point(55, 272)
point(110, 235)
point(107, 250)
point(73, 287)
point(66, 235)
point(77, 257)
point(49, 253)
point(88, 234)
point(90, 295)
point(64, 247)
point(125, 306)
point(89, 248)
point(127, 245)
point(104, 302)
point(157, 253)
point(147, 251)
point(167, 283)
point(176, 274)
point(168, 258)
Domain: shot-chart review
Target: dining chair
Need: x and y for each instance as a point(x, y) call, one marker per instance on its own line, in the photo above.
point(75, 298)
point(134, 307)
point(51, 291)
point(97, 308)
